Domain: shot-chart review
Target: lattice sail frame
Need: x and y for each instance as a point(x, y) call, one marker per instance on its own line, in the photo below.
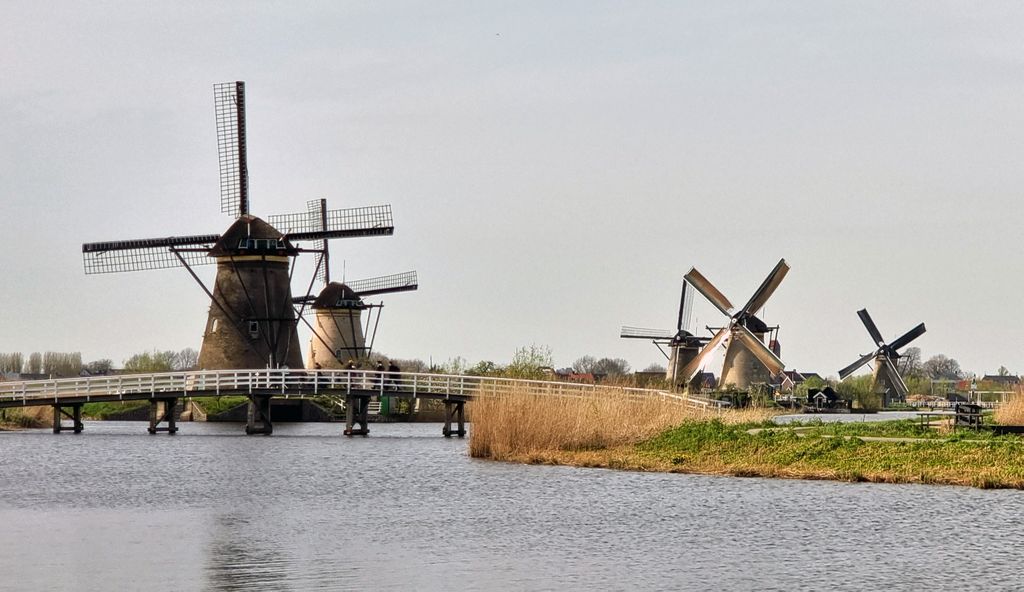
point(229, 105)
point(385, 284)
point(145, 254)
point(349, 222)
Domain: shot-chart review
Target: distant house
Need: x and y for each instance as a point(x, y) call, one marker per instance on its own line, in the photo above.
point(789, 379)
point(570, 375)
point(1008, 380)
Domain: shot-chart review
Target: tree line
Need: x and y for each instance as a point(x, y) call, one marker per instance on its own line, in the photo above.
point(67, 364)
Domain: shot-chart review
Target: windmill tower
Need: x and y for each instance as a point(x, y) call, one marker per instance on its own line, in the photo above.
point(251, 322)
point(886, 379)
point(338, 332)
point(747, 360)
point(683, 346)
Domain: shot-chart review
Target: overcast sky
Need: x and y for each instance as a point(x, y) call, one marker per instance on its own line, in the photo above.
point(554, 168)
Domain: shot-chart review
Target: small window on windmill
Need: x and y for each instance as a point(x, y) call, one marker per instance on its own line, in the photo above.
point(337, 353)
point(215, 326)
point(254, 329)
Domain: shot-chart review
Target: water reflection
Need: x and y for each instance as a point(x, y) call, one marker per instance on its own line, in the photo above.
point(306, 509)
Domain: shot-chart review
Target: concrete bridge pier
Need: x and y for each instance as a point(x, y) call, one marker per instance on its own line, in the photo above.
point(75, 416)
point(357, 410)
point(454, 410)
point(259, 416)
point(163, 410)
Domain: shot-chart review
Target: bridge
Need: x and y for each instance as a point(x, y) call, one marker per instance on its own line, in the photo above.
point(352, 389)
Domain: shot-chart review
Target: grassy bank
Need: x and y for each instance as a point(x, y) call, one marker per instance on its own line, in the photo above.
point(664, 436)
point(25, 418)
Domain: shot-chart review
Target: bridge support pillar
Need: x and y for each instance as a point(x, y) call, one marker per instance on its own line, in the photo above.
point(160, 411)
point(75, 416)
point(357, 409)
point(259, 416)
point(454, 410)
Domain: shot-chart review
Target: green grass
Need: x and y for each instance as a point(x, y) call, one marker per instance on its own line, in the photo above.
point(105, 410)
point(215, 405)
point(710, 446)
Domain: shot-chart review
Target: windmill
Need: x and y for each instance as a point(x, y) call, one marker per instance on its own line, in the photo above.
point(683, 346)
point(886, 379)
point(251, 322)
point(747, 359)
point(338, 333)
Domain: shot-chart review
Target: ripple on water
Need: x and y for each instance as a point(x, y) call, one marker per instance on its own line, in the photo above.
point(308, 509)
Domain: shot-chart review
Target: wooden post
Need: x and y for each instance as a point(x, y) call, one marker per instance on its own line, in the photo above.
point(161, 410)
point(454, 410)
point(357, 409)
point(76, 417)
point(259, 416)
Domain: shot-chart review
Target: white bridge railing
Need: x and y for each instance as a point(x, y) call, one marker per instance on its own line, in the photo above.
point(302, 383)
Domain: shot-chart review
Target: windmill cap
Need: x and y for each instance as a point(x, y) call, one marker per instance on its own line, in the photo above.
point(246, 228)
point(336, 295)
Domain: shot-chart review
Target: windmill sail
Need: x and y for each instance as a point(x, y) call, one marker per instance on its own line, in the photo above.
point(642, 333)
point(345, 223)
point(229, 103)
point(385, 284)
point(150, 253)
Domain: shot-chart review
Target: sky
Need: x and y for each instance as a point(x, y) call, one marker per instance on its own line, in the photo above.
point(554, 168)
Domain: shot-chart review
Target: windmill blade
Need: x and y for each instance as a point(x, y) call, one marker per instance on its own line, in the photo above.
point(641, 333)
point(895, 379)
point(318, 208)
point(870, 326)
point(229, 105)
point(709, 291)
point(385, 284)
point(856, 365)
point(907, 337)
point(760, 350)
point(149, 253)
point(691, 369)
point(767, 288)
point(682, 307)
point(351, 222)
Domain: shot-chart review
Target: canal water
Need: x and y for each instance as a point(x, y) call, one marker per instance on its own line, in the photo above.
point(405, 509)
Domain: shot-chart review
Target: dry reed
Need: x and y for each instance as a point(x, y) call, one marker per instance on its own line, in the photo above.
point(517, 425)
point(1012, 411)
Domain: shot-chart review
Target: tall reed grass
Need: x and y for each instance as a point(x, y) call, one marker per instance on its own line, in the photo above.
point(513, 425)
point(1012, 411)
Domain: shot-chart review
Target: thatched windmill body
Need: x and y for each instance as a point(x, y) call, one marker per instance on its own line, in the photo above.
point(683, 346)
point(251, 321)
point(886, 379)
point(746, 360)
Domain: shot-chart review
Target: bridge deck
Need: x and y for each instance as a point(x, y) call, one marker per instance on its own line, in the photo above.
point(260, 383)
point(290, 384)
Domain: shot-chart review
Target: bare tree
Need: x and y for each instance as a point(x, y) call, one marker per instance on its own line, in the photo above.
point(611, 367)
point(62, 363)
point(12, 362)
point(99, 367)
point(941, 367)
point(584, 365)
point(655, 367)
point(35, 363)
point(909, 363)
point(186, 359)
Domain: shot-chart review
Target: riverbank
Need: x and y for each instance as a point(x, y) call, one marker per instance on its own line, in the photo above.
point(715, 448)
point(626, 434)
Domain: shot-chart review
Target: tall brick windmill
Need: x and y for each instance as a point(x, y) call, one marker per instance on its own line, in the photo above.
point(251, 322)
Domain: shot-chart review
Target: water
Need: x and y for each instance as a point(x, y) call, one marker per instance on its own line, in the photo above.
point(307, 509)
point(845, 417)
